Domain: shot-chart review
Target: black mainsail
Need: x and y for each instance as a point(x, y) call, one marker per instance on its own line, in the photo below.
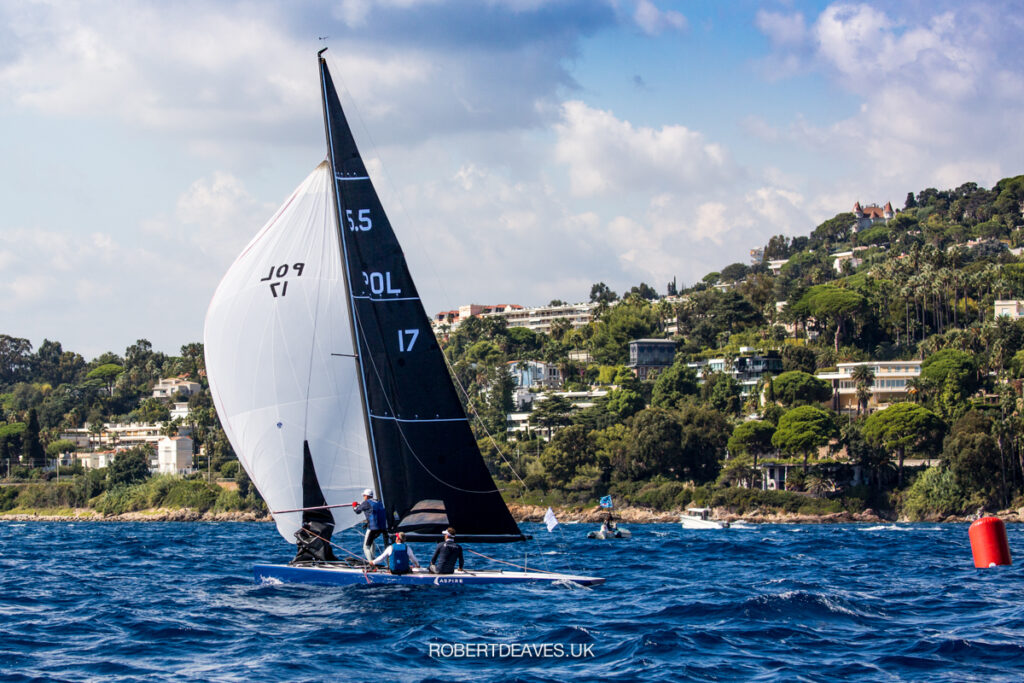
point(428, 469)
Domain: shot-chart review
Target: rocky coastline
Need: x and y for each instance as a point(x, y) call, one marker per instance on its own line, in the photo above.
point(521, 513)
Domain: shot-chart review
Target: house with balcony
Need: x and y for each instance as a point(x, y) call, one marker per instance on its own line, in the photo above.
point(890, 385)
point(168, 387)
point(747, 369)
point(535, 374)
point(650, 356)
point(1009, 308)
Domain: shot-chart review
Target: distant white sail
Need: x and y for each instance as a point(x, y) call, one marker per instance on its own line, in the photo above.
point(280, 361)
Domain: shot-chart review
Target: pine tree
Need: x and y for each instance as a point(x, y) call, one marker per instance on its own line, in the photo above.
point(33, 451)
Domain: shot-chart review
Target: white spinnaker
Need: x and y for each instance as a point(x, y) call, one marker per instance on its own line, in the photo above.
point(282, 368)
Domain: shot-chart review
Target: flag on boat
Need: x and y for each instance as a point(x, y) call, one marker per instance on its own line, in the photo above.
point(606, 502)
point(550, 519)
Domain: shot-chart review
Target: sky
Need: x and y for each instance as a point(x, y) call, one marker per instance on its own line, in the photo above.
point(524, 150)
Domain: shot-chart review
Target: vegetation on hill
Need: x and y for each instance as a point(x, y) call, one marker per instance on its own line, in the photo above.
point(919, 287)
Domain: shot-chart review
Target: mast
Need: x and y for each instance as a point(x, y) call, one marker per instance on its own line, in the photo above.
point(322, 63)
point(425, 461)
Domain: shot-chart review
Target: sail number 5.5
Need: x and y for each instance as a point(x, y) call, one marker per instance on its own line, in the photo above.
point(363, 217)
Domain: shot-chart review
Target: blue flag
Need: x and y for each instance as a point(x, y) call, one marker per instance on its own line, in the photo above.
point(606, 502)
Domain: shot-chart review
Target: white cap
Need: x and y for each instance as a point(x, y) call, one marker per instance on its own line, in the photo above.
point(368, 492)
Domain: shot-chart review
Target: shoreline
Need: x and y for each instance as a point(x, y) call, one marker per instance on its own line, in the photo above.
point(521, 513)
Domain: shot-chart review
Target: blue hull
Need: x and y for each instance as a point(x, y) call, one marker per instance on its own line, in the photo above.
point(347, 576)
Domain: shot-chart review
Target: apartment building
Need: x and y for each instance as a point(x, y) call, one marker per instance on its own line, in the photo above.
point(890, 385)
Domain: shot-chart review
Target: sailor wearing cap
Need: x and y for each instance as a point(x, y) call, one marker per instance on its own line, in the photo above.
point(376, 522)
point(446, 554)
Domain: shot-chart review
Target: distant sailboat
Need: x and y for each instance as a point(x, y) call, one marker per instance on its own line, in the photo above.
point(327, 376)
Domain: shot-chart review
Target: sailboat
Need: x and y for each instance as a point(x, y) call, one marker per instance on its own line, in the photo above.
point(327, 378)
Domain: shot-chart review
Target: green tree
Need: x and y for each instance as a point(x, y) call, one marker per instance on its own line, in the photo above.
point(864, 378)
point(972, 454)
point(624, 402)
point(656, 446)
point(551, 412)
point(602, 295)
point(106, 374)
point(905, 428)
point(951, 377)
point(674, 385)
point(130, 466)
point(833, 303)
point(34, 451)
point(753, 438)
point(15, 359)
point(795, 388)
point(569, 449)
point(799, 358)
point(703, 435)
point(934, 493)
point(722, 391)
point(803, 430)
point(57, 448)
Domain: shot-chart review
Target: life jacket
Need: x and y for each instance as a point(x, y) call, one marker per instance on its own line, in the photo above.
point(380, 516)
point(398, 562)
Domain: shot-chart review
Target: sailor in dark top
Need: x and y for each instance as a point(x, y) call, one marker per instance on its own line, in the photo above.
point(376, 522)
point(447, 552)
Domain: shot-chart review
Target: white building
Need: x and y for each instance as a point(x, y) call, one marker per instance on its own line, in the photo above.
point(95, 461)
point(537, 374)
point(1009, 308)
point(180, 411)
point(841, 257)
point(579, 400)
point(119, 434)
point(890, 385)
point(174, 455)
point(538, 319)
point(168, 387)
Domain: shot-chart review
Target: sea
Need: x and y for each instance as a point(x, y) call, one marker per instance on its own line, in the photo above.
point(166, 601)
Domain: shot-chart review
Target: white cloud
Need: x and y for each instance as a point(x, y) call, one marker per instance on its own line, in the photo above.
point(219, 215)
point(654, 21)
point(936, 89)
point(782, 29)
point(605, 154)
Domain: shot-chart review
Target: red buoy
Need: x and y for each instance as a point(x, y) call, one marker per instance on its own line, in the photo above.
point(988, 542)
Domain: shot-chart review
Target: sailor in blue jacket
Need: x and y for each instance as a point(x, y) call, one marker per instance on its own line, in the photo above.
point(399, 557)
point(376, 522)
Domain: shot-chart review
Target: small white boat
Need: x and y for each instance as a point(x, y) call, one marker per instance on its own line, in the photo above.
point(700, 518)
point(613, 531)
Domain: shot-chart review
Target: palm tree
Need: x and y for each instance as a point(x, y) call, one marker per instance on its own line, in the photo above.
point(864, 378)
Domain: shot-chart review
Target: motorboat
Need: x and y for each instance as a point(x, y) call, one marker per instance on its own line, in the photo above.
point(700, 518)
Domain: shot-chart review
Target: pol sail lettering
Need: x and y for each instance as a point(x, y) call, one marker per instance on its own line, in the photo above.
point(277, 274)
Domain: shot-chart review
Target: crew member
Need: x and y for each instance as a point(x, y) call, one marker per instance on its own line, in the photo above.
point(398, 556)
point(446, 553)
point(376, 522)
